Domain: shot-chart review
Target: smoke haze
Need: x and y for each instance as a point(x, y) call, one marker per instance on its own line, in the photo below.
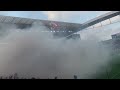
point(35, 53)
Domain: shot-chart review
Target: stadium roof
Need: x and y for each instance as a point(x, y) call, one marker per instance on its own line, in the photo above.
point(15, 20)
point(18, 20)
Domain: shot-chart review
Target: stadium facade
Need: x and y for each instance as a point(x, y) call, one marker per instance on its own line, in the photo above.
point(113, 43)
point(59, 29)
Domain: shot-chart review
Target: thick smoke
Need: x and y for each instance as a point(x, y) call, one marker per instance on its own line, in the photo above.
point(36, 53)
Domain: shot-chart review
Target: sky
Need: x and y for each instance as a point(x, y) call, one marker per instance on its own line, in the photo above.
point(66, 16)
point(70, 16)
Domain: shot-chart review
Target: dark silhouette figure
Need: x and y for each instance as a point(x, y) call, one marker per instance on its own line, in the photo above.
point(33, 78)
point(75, 76)
point(1, 77)
point(55, 77)
point(16, 76)
point(11, 77)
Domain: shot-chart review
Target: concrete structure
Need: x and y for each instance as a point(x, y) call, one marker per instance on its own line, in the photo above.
point(113, 43)
point(74, 36)
point(61, 29)
point(116, 36)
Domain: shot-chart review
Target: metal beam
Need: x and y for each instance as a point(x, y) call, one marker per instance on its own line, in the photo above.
point(95, 21)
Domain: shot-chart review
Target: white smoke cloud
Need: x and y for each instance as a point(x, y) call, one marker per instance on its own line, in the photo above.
point(68, 16)
point(72, 16)
point(33, 53)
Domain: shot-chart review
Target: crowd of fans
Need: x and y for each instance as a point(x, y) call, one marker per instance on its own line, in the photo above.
point(15, 76)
